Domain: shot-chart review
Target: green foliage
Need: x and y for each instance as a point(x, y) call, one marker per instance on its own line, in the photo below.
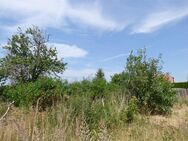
point(100, 74)
point(99, 85)
point(45, 92)
point(94, 114)
point(116, 79)
point(29, 57)
point(83, 87)
point(146, 82)
point(180, 85)
point(132, 110)
point(162, 97)
point(119, 81)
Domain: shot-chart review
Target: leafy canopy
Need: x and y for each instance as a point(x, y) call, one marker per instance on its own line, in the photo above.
point(30, 57)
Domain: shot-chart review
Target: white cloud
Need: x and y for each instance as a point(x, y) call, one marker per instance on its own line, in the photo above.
point(156, 20)
point(62, 14)
point(86, 73)
point(79, 74)
point(63, 50)
point(69, 51)
point(55, 13)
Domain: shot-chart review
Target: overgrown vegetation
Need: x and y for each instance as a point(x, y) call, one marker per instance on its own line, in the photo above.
point(45, 91)
point(88, 109)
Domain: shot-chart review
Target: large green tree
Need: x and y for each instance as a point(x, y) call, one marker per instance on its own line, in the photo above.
point(30, 56)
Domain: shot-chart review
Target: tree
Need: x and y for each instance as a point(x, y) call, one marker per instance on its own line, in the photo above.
point(145, 81)
point(30, 57)
point(99, 74)
point(99, 84)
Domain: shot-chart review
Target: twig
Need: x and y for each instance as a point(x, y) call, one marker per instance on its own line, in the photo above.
point(9, 106)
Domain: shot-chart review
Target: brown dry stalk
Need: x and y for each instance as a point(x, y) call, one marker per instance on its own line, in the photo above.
point(9, 106)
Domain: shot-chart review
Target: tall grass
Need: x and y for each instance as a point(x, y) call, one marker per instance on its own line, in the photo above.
point(76, 118)
point(81, 119)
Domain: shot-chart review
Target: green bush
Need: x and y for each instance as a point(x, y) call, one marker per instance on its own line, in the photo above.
point(144, 79)
point(130, 112)
point(84, 87)
point(45, 91)
point(99, 88)
point(161, 97)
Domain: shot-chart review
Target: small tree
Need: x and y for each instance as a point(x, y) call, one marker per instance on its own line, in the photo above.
point(99, 84)
point(29, 56)
point(99, 74)
point(145, 81)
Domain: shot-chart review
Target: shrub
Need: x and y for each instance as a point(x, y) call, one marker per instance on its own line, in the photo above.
point(132, 110)
point(129, 114)
point(162, 97)
point(45, 91)
point(98, 88)
point(83, 87)
point(145, 81)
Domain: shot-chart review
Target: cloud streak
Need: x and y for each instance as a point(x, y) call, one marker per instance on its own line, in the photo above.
point(114, 57)
point(64, 14)
point(56, 14)
point(155, 21)
point(68, 51)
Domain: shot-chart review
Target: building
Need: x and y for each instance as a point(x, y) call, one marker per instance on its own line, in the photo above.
point(169, 78)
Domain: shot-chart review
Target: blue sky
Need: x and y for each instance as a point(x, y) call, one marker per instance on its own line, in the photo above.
point(92, 34)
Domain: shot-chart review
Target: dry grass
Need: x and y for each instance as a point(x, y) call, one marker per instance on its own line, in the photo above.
point(57, 125)
point(158, 128)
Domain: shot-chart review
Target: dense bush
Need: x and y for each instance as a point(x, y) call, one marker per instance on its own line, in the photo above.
point(144, 79)
point(45, 91)
point(161, 97)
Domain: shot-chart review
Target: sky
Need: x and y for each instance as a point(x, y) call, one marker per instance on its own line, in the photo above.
point(92, 34)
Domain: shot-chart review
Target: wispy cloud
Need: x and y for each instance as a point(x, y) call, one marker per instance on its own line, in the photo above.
point(156, 20)
point(64, 14)
point(63, 50)
point(69, 51)
point(114, 57)
point(56, 14)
